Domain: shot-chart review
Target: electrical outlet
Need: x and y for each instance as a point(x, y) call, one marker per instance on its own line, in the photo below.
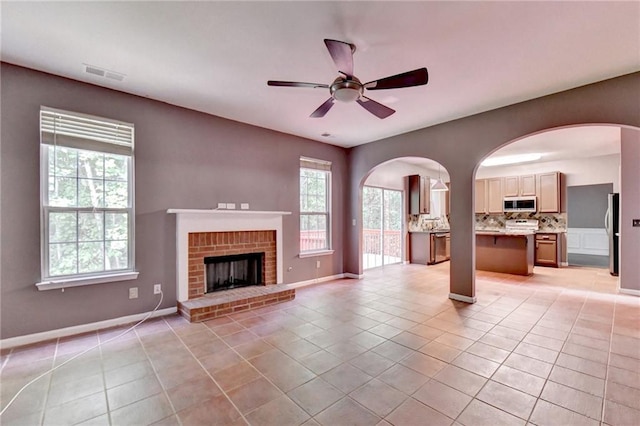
point(157, 288)
point(317, 264)
point(635, 222)
point(231, 206)
point(133, 293)
point(222, 205)
point(244, 206)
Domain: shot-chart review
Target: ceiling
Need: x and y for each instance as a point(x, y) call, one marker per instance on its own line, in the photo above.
point(555, 145)
point(216, 57)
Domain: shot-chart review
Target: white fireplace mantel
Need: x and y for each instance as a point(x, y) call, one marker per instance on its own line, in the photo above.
point(190, 220)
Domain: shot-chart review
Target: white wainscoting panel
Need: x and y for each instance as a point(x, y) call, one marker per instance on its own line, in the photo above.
point(588, 241)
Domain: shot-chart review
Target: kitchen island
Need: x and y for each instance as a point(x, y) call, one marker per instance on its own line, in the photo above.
point(506, 252)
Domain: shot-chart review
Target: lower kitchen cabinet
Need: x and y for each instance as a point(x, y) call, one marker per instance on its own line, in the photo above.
point(547, 250)
point(428, 248)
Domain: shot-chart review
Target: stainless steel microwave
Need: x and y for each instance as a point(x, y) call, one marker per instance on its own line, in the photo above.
point(519, 204)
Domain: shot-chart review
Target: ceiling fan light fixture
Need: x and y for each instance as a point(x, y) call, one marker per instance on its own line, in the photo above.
point(346, 94)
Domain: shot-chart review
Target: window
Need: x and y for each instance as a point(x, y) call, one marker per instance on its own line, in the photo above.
point(315, 206)
point(86, 198)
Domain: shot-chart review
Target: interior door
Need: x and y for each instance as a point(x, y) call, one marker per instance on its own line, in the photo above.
point(381, 227)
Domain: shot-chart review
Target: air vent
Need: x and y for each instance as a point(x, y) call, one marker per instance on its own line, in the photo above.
point(94, 70)
point(114, 76)
point(101, 72)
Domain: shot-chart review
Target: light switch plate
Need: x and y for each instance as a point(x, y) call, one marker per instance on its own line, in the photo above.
point(231, 206)
point(244, 206)
point(222, 205)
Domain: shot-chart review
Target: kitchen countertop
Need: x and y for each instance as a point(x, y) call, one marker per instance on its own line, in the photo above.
point(503, 231)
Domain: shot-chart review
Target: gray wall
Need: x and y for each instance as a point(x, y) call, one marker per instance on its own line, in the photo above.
point(183, 159)
point(461, 145)
point(629, 210)
point(587, 205)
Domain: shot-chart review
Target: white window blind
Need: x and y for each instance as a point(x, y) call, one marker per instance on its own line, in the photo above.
point(82, 131)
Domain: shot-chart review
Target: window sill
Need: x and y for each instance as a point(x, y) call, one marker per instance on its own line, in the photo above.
point(78, 282)
point(315, 253)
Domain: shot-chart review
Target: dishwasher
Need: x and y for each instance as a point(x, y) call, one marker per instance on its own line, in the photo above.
point(439, 247)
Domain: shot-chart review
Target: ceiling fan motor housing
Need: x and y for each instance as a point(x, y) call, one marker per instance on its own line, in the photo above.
point(346, 90)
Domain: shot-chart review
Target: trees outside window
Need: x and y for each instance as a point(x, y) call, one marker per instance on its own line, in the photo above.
point(87, 197)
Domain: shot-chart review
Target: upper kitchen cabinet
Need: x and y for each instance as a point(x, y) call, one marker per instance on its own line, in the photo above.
point(550, 192)
point(419, 194)
point(481, 196)
point(489, 195)
point(494, 195)
point(520, 186)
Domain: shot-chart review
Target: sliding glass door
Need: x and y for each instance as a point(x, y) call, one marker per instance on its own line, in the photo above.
point(381, 227)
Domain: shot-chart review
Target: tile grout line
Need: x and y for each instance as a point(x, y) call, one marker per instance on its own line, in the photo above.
point(606, 375)
point(556, 359)
point(155, 372)
point(50, 378)
point(502, 363)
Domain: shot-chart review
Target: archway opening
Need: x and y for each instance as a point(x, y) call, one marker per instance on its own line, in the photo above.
point(405, 207)
point(554, 185)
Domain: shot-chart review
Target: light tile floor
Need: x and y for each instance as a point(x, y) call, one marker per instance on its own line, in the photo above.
point(557, 348)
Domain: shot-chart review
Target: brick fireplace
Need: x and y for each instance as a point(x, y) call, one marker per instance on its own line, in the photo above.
point(228, 225)
point(211, 244)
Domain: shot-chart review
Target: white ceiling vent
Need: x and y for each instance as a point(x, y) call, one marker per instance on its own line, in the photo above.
point(101, 72)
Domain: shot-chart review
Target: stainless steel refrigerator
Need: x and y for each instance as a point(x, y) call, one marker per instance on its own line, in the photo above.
point(612, 219)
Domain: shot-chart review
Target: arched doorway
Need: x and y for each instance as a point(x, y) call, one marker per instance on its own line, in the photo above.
point(404, 205)
point(588, 160)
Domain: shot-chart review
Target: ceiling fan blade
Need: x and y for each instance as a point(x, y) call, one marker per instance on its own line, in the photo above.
point(342, 55)
point(417, 77)
point(322, 109)
point(296, 84)
point(375, 108)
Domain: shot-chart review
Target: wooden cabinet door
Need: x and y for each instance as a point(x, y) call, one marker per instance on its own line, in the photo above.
point(511, 186)
point(425, 195)
point(546, 252)
point(494, 197)
point(481, 196)
point(447, 200)
point(527, 185)
point(549, 193)
point(419, 194)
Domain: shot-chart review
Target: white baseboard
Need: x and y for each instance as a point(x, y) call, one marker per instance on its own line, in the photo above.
point(462, 298)
point(629, 291)
point(316, 281)
point(564, 263)
point(354, 276)
point(78, 329)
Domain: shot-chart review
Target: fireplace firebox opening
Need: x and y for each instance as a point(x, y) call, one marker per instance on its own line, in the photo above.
point(231, 271)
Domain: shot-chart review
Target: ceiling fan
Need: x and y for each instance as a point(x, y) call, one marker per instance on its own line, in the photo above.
point(348, 88)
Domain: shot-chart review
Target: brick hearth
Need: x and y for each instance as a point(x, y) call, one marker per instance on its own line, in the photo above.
point(221, 303)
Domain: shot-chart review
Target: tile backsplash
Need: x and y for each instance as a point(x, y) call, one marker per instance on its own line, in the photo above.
point(421, 223)
point(556, 222)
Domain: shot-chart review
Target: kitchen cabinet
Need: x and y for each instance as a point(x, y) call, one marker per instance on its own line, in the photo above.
point(447, 200)
point(494, 195)
point(428, 248)
point(520, 186)
point(419, 194)
point(549, 192)
point(481, 196)
point(488, 195)
point(547, 250)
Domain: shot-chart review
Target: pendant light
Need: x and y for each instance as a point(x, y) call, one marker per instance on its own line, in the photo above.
point(439, 185)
